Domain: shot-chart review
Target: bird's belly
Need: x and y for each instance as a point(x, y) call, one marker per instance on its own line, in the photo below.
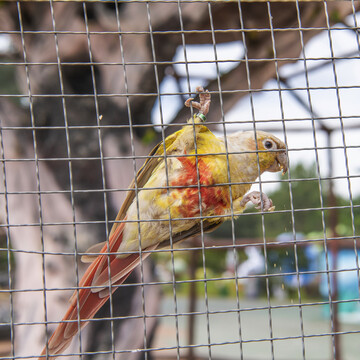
point(152, 231)
point(183, 202)
point(181, 205)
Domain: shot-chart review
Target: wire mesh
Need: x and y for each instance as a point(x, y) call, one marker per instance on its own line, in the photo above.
point(89, 87)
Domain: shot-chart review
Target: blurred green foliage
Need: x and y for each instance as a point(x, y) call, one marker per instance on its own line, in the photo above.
point(8, 80)
point(4, 263)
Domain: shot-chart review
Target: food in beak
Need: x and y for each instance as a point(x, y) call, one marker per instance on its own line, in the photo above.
point(282, 160)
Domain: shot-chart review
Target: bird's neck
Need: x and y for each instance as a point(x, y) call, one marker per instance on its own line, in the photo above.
point(244, 168)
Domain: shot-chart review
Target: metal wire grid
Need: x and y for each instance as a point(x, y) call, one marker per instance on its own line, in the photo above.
point(237, 310)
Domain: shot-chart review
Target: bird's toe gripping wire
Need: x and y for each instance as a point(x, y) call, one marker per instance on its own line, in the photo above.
point(258, 199)
point(204, 105)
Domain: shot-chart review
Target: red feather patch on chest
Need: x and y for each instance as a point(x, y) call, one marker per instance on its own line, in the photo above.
point(214, 199)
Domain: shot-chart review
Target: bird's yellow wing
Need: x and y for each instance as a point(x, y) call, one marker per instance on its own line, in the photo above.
point(143, 175)
point(181, 143)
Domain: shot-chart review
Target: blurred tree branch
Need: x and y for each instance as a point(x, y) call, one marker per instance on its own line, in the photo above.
point(260, 54)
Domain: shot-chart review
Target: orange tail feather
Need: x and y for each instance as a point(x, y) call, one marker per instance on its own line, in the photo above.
point(90, 300)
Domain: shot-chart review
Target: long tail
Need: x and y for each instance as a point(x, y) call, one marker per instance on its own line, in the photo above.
point(93, 293)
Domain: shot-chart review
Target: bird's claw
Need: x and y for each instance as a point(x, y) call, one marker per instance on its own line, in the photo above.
point(258, 199)
point(205, 99)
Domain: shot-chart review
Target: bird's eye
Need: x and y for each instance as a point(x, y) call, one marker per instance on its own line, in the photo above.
point(269, 144)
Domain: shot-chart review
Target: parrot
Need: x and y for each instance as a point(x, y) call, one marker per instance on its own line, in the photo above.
point(191, 183)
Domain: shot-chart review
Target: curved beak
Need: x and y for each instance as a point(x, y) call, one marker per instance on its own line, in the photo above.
point(280, 163)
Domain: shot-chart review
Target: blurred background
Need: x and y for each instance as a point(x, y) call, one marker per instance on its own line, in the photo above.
point(88, 88)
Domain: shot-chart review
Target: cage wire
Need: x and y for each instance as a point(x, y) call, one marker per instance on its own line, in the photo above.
point(89, 87)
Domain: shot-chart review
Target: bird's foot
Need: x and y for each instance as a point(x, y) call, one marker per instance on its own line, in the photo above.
point(258, 199)
point(205, 99)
